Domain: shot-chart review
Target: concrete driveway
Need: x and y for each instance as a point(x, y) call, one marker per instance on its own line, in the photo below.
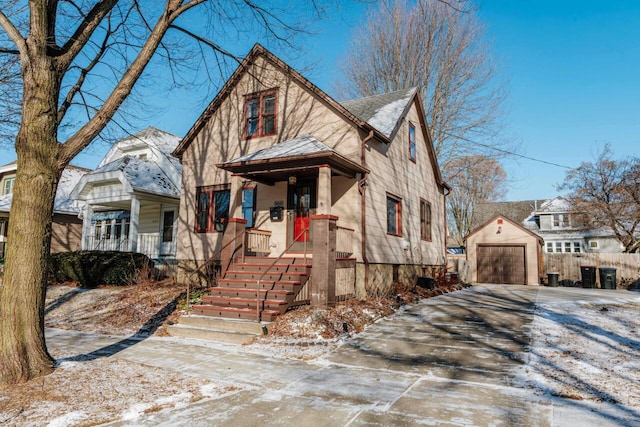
point(457, 360)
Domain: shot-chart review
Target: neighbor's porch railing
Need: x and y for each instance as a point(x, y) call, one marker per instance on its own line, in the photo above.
point(345, 239)
point(148, 244)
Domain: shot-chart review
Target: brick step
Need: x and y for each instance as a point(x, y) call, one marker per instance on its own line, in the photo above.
point(275, 305)
point(275, 276)
point(234, 313)
point(251, 293)
point(277, 268)
point(279, 285)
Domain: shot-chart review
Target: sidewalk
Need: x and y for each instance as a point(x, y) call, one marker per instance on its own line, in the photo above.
point(457, 359)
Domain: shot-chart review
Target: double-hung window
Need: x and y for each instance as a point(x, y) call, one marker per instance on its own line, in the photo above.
point(425, 220)
point(260, 114)
point(412, 142)
point(394, 216)
point(7, 185)
point(212, 208)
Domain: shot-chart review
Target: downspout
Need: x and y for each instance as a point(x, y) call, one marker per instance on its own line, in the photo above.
point(362, 186)
point(446, 192)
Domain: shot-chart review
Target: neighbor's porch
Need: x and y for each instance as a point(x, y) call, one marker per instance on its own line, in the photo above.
point(131, 225)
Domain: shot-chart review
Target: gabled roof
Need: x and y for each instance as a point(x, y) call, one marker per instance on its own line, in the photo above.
point(63, 203)
point(256, 52)
point(510, 221)
point(165, 142)
point(369, 114)
point(383, 112)
point(141, 175)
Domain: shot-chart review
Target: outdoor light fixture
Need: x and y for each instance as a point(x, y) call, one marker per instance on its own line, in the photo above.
point(292, 180)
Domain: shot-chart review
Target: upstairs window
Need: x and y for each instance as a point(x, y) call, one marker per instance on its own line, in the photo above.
point(7, 185)
point(394, 216)
point(412, 142)
point(212, 208)
point(425, 220)
point(260, 114)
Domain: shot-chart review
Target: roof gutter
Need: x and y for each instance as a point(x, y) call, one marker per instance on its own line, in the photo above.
point(362, 186)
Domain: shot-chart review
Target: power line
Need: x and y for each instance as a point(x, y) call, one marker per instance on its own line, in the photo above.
point(511, 153)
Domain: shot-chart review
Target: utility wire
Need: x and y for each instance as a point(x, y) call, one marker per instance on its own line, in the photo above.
point(511, 153)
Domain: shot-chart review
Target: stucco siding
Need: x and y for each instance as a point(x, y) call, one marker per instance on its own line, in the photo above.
point(505, 233)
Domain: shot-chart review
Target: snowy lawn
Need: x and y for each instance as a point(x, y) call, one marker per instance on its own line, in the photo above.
point(587, 351)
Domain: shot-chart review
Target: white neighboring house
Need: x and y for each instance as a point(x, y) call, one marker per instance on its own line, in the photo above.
point(565, 232)
point(132, 198)
point(66, 229)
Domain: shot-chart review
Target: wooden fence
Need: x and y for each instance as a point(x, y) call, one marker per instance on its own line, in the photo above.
point(568, 265)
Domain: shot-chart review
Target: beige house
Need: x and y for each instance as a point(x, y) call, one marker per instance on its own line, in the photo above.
point(503, 252)
point(66, 229)
point(275, 167)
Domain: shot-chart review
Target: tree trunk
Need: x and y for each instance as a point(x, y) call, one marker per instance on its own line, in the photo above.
point(24, 353)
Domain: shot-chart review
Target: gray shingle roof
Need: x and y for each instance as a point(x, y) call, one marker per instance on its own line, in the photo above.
point(300, 146)
point(381, 111)
point(518, 212)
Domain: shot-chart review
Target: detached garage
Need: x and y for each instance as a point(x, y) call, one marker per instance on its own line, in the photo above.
point(503, 252)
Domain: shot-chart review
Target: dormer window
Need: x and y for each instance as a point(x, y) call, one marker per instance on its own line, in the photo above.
point(260, 114)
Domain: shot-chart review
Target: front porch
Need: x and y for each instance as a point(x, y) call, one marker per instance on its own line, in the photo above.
point(303, 255)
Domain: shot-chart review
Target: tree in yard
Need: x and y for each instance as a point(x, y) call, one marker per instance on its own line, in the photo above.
point(78, 62)
point(440, 49)
point(474, 179)
point(606, 193)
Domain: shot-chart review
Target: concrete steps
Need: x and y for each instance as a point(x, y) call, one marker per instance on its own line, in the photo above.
point(217, 329)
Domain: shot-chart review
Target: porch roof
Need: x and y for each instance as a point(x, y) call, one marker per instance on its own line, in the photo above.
point(300, 155)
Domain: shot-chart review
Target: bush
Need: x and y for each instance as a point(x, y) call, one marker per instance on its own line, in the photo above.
point(92, 268)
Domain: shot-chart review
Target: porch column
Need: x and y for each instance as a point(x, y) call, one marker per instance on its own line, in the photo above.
point(235, 201)
point(133, 224)
point(324, 190)
point(86, 227)
point(323, 286)
point(231, 241)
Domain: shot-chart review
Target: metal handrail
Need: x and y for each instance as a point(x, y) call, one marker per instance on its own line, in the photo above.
point(209, 261)
point(258, 300)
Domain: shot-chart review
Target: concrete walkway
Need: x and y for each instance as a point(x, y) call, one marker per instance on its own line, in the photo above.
point(457, 360)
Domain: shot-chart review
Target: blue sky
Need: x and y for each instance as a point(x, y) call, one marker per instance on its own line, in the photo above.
point(572, 69)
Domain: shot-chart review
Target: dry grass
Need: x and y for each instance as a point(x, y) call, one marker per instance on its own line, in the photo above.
point(141, 309)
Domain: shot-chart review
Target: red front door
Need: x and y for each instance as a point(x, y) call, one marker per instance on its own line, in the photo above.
point(301, 205)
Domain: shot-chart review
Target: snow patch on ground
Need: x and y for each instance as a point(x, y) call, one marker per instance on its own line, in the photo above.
point(586, 351)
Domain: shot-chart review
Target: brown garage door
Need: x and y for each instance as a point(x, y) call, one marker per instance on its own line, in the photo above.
point(501, 264)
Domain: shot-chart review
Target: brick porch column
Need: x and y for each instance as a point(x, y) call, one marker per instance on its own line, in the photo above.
point(323, 271)
point(235, 227)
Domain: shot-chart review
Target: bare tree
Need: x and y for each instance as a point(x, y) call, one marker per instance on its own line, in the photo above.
point(438, 46)
point(79, 61)
point(606, 193)
point(474, 179)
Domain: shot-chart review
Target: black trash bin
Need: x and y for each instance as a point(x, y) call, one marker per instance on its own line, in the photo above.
point(607, 278)
point(553, 279)
point(588, 273)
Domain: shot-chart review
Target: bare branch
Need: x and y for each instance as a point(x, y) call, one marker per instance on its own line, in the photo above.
point(13, 33)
